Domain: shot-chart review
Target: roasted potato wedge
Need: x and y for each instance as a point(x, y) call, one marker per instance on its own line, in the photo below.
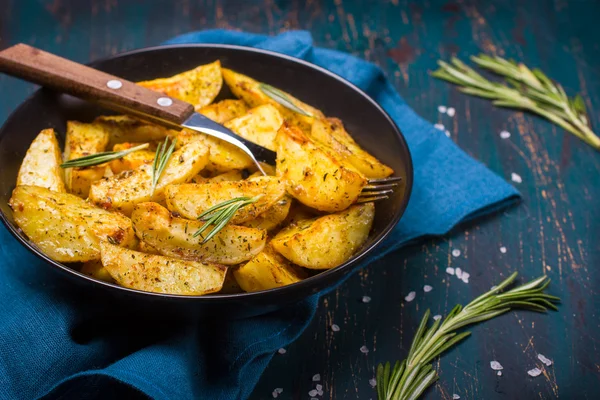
point(267, 270)
point(198, 86)
point(190, 200)
point(314, 175)
point(331, 133)
point(273, 217)
point(230, 286)
point(259, 125)
point(96, 270)
point(224, 110)
point(161, 274)
point(174, 237)
point(121, 192)
point(248, 89)
point(123, 129)
point(82, 140)
point(66, 227)
point(132, 160)
point(41, 165)
point(328, 241)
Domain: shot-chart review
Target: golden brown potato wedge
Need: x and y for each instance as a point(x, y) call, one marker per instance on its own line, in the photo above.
point(328, 241)
point(66, 227)
point(174, 237)
point(273, 217)
point(230, 286)
point(267, 270)
point(161, 274)
point(96, 270)
point(82, 140)
point(314, 175)
point(132, 160)
point(259, 125)
point(331, 133)
point(121, 192)
point(248, 89)
point(224, 110)
point(198, 86)
point(190, 200)
point(123, 129)
point(41, 165)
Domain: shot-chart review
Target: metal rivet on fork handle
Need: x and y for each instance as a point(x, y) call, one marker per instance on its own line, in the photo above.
point(164, 101)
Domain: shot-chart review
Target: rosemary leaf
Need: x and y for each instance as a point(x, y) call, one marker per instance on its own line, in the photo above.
point(282, 98)
point(163, 154)
point(100, 158)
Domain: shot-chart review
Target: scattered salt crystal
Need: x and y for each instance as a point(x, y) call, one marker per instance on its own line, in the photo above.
point(516, 178)
point(496, 366)
point(465, 277)
point(282, 351)
point(502, 249)
point(447, 132)
point(504, 134)
point(534, 372)
point(427, 288)
point(493, 287)
point(364, 349)
point(373, 382)
point(410, 296)
point(274, 394)
point(319, 387)
point(455, 396)
point(442, 109)
point(451, 111)
point(456, 253)
point(545, 360)
point(458, 272)
point(316, 377)
point(450, 271)
point(313, 393)
point(320, 392)
point(366, 299)
point(437, 317)
point(439, 126)
point(279, 390)
point(499, 373)
point(335, 328)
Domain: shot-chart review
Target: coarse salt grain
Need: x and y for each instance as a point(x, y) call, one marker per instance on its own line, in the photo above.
point(545, 360)
point(427, 288)
point(534, 372)
point(279, 390)
point(320, 392)
point(366, 299)
point(442, 109)
point(373, 382)
point(516, 178)
point(465, 277)
point(455, 396)
point(282, 351)
point(496, 366)
point(313, 393)
point(450, 271)
point(458, 272)
point(493, 287)
point(502, 249)
point(439, 126)
point(316, 377)
point(437, 317)
point(319, 387)
point(499, 373)
point(364, 349)
point(335, 328)
point(455, 252)
point(274, 394)
point(451, 111)
point(411, 296)
point(504, 134)
point(447, 132)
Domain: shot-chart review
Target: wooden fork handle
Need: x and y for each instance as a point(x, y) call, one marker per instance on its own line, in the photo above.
point(49, 70)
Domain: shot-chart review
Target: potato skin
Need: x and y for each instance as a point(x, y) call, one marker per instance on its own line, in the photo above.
point(328, 241)
point(41, 165)
point(330, 132)
point(66, 227)
point(160, 274)
point(267, 270)
point(259, 125)
point(224, 110)
point(173, 237)
point(198, 86)
point(190, 200)
point(121, 192)
point(314, 175)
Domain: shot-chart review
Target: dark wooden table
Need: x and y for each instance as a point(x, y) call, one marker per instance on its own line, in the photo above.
point(553, 231)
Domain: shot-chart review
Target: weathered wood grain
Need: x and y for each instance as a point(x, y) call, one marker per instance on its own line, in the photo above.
point(554, 230)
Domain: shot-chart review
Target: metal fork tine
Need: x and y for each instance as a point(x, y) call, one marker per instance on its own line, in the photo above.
point(378, 187)
point(379, 193)
point(370, 199)
point(386, 180)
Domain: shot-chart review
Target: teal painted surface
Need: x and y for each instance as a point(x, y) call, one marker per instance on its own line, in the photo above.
point(555, 230)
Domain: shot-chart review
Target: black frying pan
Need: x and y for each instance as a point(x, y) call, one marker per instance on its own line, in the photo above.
point(370, 126)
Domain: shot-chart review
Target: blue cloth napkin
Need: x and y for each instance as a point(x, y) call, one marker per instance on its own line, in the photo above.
point(56, 344)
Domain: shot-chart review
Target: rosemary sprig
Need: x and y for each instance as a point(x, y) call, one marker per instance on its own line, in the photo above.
point(409, 378)
point(219, 215)
point(282, 98)
point(529, 90)
point(100, 158)
point(163, 154)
